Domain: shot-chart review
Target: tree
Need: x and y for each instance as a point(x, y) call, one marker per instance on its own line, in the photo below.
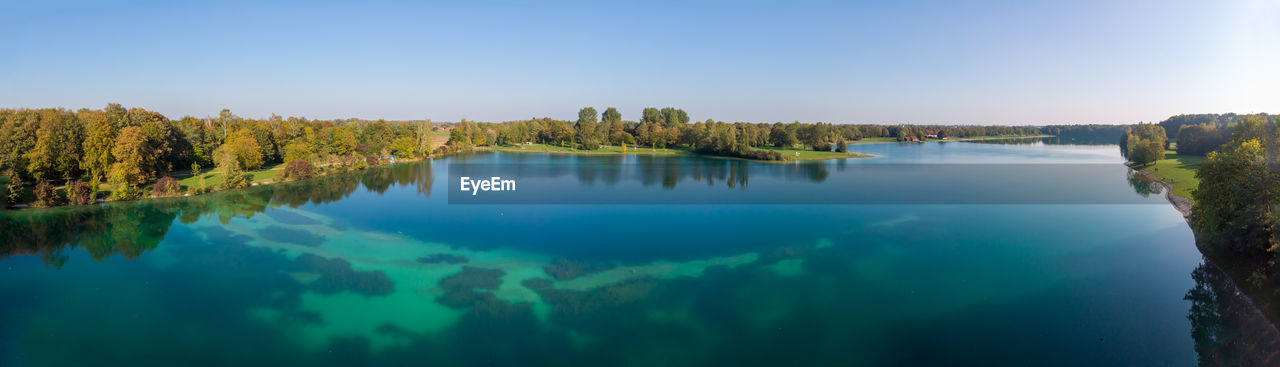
point(132, 155)
point(425, 133)
point(651, 115)
point(13, 190)
point(57, 150)
point(585, 129)
point(1238, 193)
point(201, 187)
point(611, 115)
point(1200, 139)
point(99, 140)
point(230, 167)
point(672, 117)
point(781, 137)
point(1145, 152)
point(460, 138)
point(244, 146)
point(404, 146)
point(1143, 144)
point(297, 150)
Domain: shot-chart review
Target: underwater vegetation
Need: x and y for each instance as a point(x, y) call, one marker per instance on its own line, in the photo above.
point(564, 269)
point(448, 259)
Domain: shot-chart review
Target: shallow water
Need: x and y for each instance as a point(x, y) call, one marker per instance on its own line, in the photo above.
point(382, 267)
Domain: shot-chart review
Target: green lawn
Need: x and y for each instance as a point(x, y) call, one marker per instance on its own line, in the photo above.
point(809, 154)
point(1179, 170)
point(212, 179)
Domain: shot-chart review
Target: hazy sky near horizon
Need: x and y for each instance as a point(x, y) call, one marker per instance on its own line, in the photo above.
point(947, 62)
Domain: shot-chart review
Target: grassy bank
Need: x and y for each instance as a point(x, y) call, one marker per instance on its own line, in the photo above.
point(793, 154)
point(212, 179)
point(1178, 170)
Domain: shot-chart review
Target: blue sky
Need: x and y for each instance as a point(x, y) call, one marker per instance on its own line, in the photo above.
point(968, 62)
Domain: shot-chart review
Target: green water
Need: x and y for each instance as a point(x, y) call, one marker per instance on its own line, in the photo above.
point(379, 267)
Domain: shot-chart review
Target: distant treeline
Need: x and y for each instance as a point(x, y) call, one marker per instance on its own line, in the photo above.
point(1086, 132)
point(670, 127)
point(1202, 133)
point(1173, 125)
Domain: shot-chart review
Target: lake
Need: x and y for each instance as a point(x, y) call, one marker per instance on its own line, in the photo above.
point(1061, 258)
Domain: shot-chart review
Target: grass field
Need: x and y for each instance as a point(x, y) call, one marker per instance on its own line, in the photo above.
point(790, 154)
point(1179, 170)
point(212, 179)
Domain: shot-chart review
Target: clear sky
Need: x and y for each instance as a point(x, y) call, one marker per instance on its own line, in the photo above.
point(969, 62)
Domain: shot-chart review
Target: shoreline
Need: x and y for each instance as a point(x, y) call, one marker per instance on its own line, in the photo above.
point(669, 152)
point(851, 155)
point(1183, 206)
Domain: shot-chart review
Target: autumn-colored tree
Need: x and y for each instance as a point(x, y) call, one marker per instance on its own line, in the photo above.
point(132, 156)
point(244, 146)
point(100, 137)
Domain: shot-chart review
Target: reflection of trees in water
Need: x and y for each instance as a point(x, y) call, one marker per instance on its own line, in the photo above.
point(734, 173)
point(131, 228)
point(1142, 184)
point(1226, 328)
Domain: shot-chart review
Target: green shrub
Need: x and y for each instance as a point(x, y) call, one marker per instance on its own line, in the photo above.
point(13, 190)
point(237, 181)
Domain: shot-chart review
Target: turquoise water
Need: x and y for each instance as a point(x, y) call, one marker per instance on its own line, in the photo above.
point(381, 267)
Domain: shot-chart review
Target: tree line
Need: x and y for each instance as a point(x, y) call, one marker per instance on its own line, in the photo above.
point(670, 128)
